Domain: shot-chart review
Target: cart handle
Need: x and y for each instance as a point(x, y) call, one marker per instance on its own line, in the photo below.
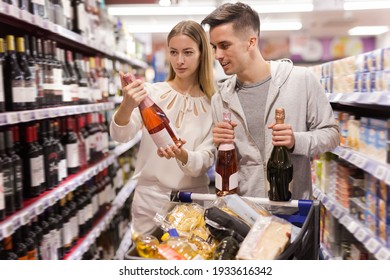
point(190, 196)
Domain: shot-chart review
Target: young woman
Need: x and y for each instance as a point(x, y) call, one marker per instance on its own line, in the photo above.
point(185, 98)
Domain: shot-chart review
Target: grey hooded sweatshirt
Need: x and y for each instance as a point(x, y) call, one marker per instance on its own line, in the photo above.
point(307, 109)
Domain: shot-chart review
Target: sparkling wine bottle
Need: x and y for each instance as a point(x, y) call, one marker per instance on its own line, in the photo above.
point(279, 168)
point(226, 167)
point(156, 122)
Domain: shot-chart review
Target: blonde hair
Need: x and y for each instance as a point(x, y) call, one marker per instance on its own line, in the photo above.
point(195, 31)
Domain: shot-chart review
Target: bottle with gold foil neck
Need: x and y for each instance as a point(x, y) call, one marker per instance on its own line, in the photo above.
point(279, 168)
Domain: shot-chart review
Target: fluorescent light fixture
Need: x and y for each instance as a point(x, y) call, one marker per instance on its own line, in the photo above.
point(366, 5)
point(150, 28)
point(368, 30)
point(282, 8)
point(159, 11)
point(165, 28)
point(280, 26)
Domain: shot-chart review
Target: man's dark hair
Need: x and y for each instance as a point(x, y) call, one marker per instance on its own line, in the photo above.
point(241, 15)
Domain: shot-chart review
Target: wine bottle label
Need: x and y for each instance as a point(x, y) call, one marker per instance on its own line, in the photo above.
point(8, 181)
point(66, 93)
point(233, 181)
point(36, 171)
point(162, 138)
point(1, 84)
point(2, 203)
point(67, 233)
point(18, 94)
point(72, 155)
point(226, 147)
point(30, 93)
point(45, 247)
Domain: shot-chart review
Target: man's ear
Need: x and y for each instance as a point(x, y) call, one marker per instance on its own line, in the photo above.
point(252, 43)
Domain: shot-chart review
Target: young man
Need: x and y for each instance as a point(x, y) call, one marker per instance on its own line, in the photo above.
point(252, 93)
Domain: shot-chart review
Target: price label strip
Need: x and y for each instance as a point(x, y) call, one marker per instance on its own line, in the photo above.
point(380, 172)
point(372, 245)
point(383, 254)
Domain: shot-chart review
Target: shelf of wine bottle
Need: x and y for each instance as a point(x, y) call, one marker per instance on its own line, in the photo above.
point(83, 244)
point(360, 231)
point(9, 118)
point(37, 205)
point(125, 244)
point(21, 18)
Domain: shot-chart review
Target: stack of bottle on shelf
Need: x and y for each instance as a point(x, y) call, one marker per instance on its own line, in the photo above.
point(38, 74)
point(366, 197)
point(364, 73)
point(38, 156)
point(52, 233)
point(109, 240)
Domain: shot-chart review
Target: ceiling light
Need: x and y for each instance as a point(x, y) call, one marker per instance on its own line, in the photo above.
point(166, 28)
point(280, 26)
point(367, 30)
point(164, 3)
point(366, 5)
point(282, 8)
point(159, 11)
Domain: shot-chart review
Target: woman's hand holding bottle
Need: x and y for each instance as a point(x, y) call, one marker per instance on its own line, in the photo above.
point(133, 91)
point(173, 151)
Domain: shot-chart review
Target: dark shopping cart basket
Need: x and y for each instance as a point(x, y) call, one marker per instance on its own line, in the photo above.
point(305, 214)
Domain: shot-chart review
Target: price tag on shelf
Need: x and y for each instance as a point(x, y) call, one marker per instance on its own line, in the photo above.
point(12, 118)
point(373, 97)
point(346, 220)
point(387, 179)
point(337, 212)
point(8, 229)
point(42, 114)
point(52, 199)
point(316, 192)
point(352, 226)
point(380, 172)
point(71, 110)
point(372, 245)
point(37, 21)
point(361, 234)
point(358, 160)
point(16, 222)
point(39, 208)
point(3, 119)
point(344, 153)
point(321, 196)
point(26, 116)
point(93, 107)
point(25, 15)
point(25, 217)
point(12, 10)
point(383, 254)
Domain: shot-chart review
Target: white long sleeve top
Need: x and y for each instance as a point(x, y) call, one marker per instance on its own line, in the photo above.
point(192, 120)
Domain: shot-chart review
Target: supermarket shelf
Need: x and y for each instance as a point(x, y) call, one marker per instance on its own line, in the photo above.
point(25, 20)
point(326, 253)
point(377, 169)
point(360, 231)
point(125, 244)
point(120, 149)
point(9, 118)
point(89, 239)
point(37, 205)
point(364, 98)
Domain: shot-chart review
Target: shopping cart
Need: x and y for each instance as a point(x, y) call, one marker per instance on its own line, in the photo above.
point(304, 214)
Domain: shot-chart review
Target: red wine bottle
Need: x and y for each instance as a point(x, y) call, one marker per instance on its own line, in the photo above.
point(2, 100)
point(17, 169)
point(279, 168)
point(156, 122)
point(226, 167)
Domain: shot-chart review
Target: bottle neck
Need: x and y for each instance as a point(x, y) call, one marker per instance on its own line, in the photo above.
point(147, 102)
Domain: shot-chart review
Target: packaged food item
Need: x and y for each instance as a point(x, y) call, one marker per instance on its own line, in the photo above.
point(267, 239)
